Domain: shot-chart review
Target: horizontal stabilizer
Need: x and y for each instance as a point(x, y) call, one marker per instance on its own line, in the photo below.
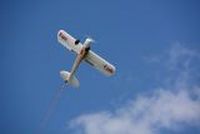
point(71, 80)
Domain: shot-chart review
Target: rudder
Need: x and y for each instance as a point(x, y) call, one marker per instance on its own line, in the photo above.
point(73, 81)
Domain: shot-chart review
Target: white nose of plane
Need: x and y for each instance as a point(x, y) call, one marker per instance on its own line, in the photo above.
point(90, 40)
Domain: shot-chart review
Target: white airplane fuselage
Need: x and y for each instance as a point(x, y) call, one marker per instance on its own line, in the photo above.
point(80, 57)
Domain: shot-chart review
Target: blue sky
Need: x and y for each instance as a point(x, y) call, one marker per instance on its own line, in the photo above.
point(153, 44)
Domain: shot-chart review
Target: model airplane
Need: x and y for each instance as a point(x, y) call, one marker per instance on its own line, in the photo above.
point(83, 53)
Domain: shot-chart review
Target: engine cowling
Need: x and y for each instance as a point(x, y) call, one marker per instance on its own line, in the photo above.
point(88, 43)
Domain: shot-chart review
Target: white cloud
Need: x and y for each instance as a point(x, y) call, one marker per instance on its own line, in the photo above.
point(147, 114)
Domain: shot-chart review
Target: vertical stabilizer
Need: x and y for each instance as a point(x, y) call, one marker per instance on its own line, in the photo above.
point(68, 79)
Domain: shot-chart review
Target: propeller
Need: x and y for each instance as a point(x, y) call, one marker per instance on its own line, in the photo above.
point(90, 38)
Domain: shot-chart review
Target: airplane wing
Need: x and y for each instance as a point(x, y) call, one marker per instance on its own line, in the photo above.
point(69, 42)
point(99, 63)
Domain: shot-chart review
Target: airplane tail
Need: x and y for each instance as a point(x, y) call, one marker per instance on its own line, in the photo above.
point(71, 80)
